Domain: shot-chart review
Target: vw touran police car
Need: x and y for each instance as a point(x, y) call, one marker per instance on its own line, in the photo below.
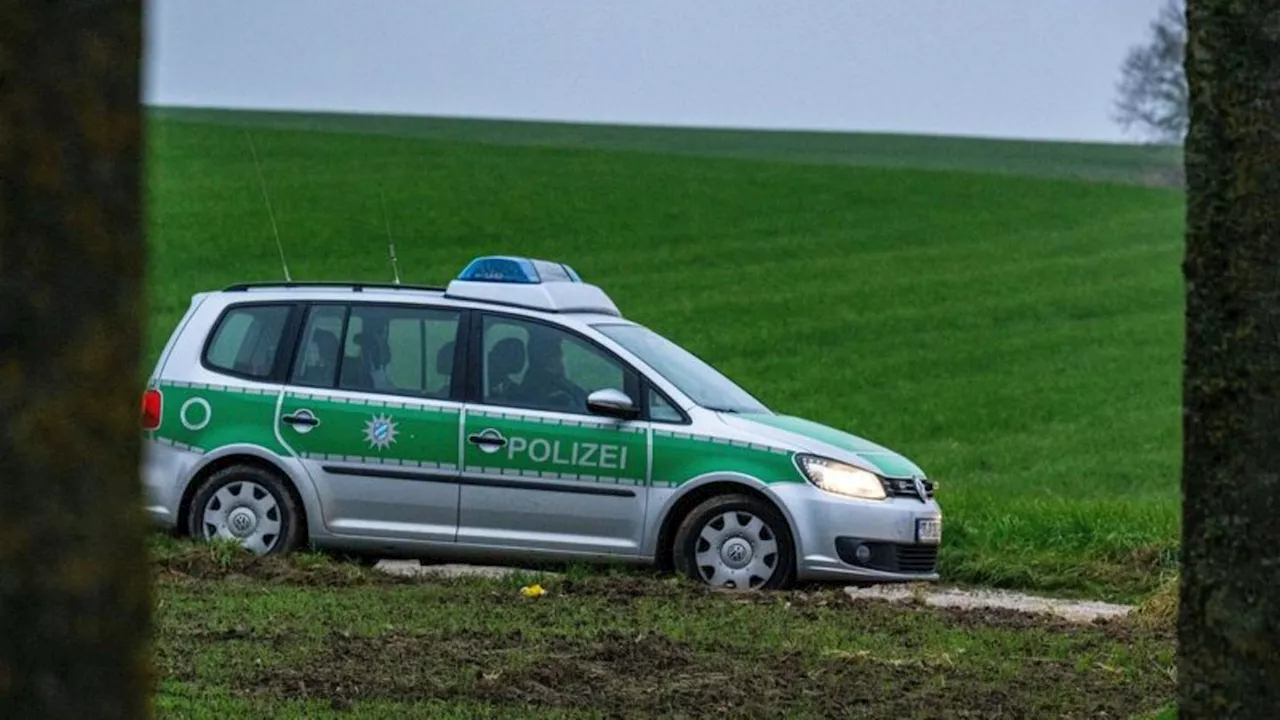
point(512, 415)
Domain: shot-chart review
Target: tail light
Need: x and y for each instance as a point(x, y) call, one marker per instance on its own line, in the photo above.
point(152, 404)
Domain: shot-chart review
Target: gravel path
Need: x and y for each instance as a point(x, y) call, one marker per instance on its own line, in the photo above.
point(1074, 610)
point(450, 570)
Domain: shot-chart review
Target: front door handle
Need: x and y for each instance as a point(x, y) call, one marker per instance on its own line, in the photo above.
point(487, 438)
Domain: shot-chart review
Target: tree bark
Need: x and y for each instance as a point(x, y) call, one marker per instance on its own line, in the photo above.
point(1229, 621)
point(74, 581)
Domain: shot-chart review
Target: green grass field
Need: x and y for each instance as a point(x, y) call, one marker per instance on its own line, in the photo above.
point(1152, 165)
point(1018, 335)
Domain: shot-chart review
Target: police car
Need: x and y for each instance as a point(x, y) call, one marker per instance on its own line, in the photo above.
point(512, 415)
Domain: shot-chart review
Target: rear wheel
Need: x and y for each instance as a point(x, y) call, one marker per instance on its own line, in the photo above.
point(247, 505)
point(737, 542)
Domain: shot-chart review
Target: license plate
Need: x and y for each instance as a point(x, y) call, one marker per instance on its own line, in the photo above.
point(929, 530)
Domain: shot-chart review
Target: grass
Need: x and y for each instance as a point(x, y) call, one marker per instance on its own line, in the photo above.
point(1018, 337)
point(309, 637)
point(1161, 607)
point(1150, 164)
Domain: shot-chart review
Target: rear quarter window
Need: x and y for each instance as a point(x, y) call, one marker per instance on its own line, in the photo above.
point(247, 339)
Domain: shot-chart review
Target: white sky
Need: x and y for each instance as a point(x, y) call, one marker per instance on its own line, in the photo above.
point(1009, 68)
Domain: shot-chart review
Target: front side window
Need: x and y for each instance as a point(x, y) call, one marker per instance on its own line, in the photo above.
point(705, 385)
point(661, 410)
point(247, 339)
point(399, 350)
point(536, 366)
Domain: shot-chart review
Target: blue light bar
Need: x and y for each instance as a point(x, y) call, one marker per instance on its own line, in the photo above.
point(528, 271)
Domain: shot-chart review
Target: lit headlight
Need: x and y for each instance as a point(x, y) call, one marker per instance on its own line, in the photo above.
point(841, 479)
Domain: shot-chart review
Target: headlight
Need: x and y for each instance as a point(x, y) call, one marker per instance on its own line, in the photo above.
point(841, 479)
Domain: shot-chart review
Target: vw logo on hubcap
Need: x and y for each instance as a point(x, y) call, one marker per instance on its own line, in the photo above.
point(736, 553)
point(241, 521)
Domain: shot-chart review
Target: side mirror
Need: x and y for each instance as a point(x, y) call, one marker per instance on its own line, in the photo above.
point(613, 403)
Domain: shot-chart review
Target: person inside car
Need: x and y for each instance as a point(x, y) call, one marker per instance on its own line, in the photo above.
point(545, 384)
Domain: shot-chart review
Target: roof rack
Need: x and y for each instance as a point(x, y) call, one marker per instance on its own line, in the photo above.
point(354, 285)
point(494, 279)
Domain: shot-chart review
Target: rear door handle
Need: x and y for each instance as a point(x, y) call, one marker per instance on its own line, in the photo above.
point(302, 417)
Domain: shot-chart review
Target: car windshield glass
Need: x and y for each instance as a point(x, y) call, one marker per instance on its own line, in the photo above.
point(704, 384)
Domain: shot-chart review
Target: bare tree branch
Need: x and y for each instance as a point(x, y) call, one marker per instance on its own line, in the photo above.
point(1152, 92)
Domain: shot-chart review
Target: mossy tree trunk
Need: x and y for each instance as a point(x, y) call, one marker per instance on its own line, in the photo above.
point(1229, 624)
point(74, 581)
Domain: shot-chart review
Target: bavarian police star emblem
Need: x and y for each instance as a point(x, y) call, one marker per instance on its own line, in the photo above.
point(380, 431)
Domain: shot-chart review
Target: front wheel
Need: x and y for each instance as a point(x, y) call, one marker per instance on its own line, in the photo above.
point(736, 542)
point(247, 505)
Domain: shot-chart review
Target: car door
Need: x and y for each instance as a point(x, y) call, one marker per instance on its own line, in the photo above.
point(372, 410)
point(539, 471)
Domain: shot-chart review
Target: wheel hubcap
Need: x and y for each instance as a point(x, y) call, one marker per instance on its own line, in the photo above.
point(241, 521)
point(737, 550)
point(243, 512)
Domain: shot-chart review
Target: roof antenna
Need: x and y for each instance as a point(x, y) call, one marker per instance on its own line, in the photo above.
point(391, 244)
point(270, 213)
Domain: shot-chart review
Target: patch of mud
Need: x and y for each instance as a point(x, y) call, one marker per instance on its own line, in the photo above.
point(649, 674)
point(627, 588)
point(202, 564)
point(1070, 610)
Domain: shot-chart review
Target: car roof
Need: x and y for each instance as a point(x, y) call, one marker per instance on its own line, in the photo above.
point(583, 315)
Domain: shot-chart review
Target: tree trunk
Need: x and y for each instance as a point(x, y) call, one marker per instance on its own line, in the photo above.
point(74, 581)
point(1229, 624)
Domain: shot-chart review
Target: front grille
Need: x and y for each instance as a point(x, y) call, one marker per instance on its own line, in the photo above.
point(906, 487)
point(917, 558)
point(889, 557)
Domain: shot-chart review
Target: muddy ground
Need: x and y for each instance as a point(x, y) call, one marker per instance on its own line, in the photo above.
point(280, 634)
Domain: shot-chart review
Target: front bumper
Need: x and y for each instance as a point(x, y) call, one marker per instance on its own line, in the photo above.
point(829, 528)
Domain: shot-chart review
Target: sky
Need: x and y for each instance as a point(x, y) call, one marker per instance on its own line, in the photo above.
point(1039, 69)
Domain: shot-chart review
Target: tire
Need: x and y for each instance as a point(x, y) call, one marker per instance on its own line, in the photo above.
point(256, 501)
point(744, 552)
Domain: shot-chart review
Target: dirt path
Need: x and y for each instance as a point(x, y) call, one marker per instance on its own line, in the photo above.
point(1073, 610)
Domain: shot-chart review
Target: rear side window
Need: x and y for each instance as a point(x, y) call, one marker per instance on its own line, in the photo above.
point(316, 364)
point(247, 340)
point(398, 350)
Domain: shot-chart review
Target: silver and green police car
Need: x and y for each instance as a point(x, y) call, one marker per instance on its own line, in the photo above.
point(512, 415)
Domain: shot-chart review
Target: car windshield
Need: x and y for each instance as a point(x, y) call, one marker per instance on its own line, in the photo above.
point(705, 385)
